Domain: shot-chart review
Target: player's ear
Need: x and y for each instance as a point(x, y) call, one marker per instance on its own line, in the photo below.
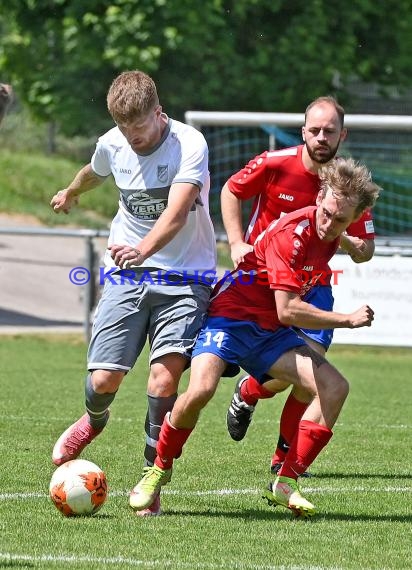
point(319, 198)
point(343, 134)
point(303, 133)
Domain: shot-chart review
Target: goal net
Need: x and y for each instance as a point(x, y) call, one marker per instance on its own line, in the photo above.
point(382, 142)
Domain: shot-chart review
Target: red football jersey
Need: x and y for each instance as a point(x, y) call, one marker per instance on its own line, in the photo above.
point(289, 256)
point(279, 184)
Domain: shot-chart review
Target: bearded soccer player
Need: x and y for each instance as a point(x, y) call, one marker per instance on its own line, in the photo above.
point(280, 182)
point(251, 325)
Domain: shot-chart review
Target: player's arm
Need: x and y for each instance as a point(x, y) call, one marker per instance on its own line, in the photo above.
point(231, 207)
point(360, 250)
point(181, 199)
point(247, 183)
point(359, 239)
point(293, 311)
point(86, 179)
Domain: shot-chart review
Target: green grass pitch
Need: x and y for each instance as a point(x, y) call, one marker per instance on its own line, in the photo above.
point(214, 516)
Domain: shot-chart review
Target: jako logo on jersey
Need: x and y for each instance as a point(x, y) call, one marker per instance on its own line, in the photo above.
point(287, 197)
point(162, 172)
point(308, 267)
point(125, 171)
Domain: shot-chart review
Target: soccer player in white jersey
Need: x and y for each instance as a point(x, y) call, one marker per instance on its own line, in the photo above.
point(161, 244)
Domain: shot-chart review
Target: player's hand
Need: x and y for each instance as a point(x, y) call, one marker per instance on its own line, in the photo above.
point(355, 247)
point(63, 202)
point(125, 256)
point(238, 252)
point(363, 317)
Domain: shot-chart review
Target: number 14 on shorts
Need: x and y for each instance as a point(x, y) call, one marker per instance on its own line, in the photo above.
point(216, 338)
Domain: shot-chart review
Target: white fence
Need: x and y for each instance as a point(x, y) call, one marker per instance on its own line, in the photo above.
point(38, 287)
point(383, 283)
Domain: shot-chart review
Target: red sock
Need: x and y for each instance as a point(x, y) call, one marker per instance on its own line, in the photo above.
point(309, 441)
point(170, 443)
point(292, 413)
point(251, 391)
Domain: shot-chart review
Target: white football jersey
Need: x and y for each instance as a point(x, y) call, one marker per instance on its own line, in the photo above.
point(144, 182)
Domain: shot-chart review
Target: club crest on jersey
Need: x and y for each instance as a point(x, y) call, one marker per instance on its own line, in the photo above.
point(163, 172)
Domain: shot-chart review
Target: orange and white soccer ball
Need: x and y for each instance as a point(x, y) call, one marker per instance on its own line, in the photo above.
point(78, 487)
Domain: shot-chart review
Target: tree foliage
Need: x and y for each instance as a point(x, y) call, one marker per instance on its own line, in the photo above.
point(255, 55)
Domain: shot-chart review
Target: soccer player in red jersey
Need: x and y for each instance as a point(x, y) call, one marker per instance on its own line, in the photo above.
point(251, 323)
point(281, 182)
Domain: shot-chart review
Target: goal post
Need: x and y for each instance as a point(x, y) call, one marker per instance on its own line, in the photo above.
point(382, 142)
point(199, 119)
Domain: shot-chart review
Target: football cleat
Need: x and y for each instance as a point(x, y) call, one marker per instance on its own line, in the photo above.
point(72, 441)
point(275, 468)
point(153, 510)
point(284, 491)
point(239, 414)
point(144, 494)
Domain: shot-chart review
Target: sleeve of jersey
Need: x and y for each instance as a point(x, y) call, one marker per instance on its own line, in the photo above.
point(364, 227)
point(100, 161)
point(193, 166)
point(250, 180)
point(282, 262)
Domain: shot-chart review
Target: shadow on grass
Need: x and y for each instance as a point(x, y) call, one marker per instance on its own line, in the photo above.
point(282, 514)
point(340, 475)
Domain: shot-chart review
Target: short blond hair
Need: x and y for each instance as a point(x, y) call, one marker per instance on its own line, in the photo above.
point(350, 180)
point(131, 96)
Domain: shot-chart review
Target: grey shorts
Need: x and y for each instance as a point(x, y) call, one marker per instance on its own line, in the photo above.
point(129, 313)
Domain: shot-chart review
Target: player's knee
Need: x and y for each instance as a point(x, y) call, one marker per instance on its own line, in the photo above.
point(339, 389)
point(162, 385)
point(164, 376)
point(344, 389)
point(106, 381)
